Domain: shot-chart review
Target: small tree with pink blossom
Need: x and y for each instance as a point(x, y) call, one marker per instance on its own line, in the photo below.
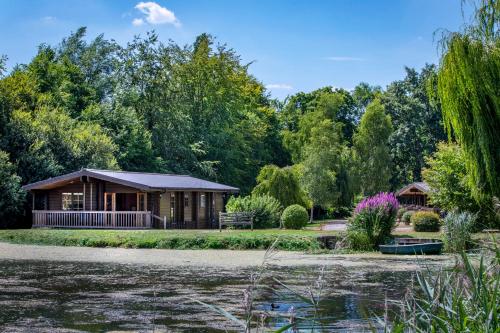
point(373, 220)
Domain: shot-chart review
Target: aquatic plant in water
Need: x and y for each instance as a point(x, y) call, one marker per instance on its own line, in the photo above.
point(465, 299)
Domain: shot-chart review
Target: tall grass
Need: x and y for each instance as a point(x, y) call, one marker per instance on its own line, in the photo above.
point(465, 299)
point(457, 230)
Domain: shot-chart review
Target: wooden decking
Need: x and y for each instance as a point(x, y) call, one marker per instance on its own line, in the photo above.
point(92, 219)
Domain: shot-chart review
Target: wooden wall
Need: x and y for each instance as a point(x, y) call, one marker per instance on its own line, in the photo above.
point(158, 202)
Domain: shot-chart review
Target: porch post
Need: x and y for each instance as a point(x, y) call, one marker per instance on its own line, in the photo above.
point(84, 208)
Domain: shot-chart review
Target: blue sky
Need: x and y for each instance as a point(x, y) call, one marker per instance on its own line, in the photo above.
point(295, 45)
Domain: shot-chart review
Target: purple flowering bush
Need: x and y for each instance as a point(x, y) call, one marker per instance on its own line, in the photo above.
point(373, 220)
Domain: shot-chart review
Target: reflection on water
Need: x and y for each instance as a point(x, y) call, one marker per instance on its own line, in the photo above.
point(40, 296)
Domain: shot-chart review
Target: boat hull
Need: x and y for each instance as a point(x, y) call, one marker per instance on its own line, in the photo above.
point(425, 248)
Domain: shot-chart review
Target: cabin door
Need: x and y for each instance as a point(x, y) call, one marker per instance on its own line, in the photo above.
point(110, 202)
point(141, 202)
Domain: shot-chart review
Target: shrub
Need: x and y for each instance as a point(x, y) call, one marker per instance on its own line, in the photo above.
point(266, 209)
point(375, 217)
point(400, 213)
point(406, 218)
point(457, 230)
point(294, 217)
point(425, 221)
point(359, 240)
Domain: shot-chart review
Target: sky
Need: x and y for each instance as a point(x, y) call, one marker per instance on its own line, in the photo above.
point(293, 45)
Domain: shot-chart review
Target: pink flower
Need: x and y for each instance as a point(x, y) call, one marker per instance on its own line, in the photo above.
point(383, 200)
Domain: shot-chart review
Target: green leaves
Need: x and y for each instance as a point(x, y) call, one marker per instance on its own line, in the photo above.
point(371, 147)
point(11, 200)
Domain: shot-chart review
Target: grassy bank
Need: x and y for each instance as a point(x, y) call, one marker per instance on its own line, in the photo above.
point(291, 240)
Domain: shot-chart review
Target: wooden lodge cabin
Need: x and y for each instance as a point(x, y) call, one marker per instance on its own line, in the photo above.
point(92, 198)
point(414, 194)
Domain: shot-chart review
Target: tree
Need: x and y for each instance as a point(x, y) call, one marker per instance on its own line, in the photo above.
point(450, 184)
point(335, 105)
point(282, 184)
point(417, 124)
point(321, 164)
point(371, 146)
point(49, 142)
point(469, 92)
point(447, 177)
point(363, 94)
point(12, 198)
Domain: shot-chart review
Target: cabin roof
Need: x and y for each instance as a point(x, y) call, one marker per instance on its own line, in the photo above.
point(421, 186)
point(141, 180)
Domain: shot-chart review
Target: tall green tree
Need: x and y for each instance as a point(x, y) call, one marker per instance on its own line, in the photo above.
point(371, 146)
point(469, 92)
point(321, 164)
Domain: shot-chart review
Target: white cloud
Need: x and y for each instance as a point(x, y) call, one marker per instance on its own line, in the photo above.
point(155, 14)
point(48, 19)
point(282, 86)
point(137, 22)
point(344, 59)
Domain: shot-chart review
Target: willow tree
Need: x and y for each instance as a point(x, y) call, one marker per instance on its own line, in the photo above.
point(282, 184)
point(468, 84)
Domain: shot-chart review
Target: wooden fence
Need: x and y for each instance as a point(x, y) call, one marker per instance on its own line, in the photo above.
point(92, 219)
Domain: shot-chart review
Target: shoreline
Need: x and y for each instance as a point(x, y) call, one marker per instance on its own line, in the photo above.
point(228, 259)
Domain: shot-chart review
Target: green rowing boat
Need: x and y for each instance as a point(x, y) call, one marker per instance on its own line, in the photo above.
point(413, 246)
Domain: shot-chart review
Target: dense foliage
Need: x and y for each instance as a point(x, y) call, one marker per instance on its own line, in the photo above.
point(417, 124)
point(451, 188)
point(266, 209)
point(294, 217)
point(146, 106)
point(282, 184)
point(425, 221)
point(373, 220)
point(11, 203)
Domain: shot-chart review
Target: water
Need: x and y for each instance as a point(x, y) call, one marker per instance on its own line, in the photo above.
point(44, 296)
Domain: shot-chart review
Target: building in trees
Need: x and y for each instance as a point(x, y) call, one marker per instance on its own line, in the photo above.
point(414, 194)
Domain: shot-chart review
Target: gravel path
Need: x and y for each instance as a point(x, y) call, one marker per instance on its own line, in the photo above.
point(212, 258)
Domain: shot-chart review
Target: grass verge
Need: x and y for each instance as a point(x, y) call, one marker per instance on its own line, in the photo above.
point(290, 240)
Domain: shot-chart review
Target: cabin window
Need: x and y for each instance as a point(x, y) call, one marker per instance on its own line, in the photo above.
point(186, 200)
point(72, 201)
point(202, 200)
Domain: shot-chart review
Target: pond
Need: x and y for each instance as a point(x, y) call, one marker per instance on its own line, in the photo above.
point(51, 296)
